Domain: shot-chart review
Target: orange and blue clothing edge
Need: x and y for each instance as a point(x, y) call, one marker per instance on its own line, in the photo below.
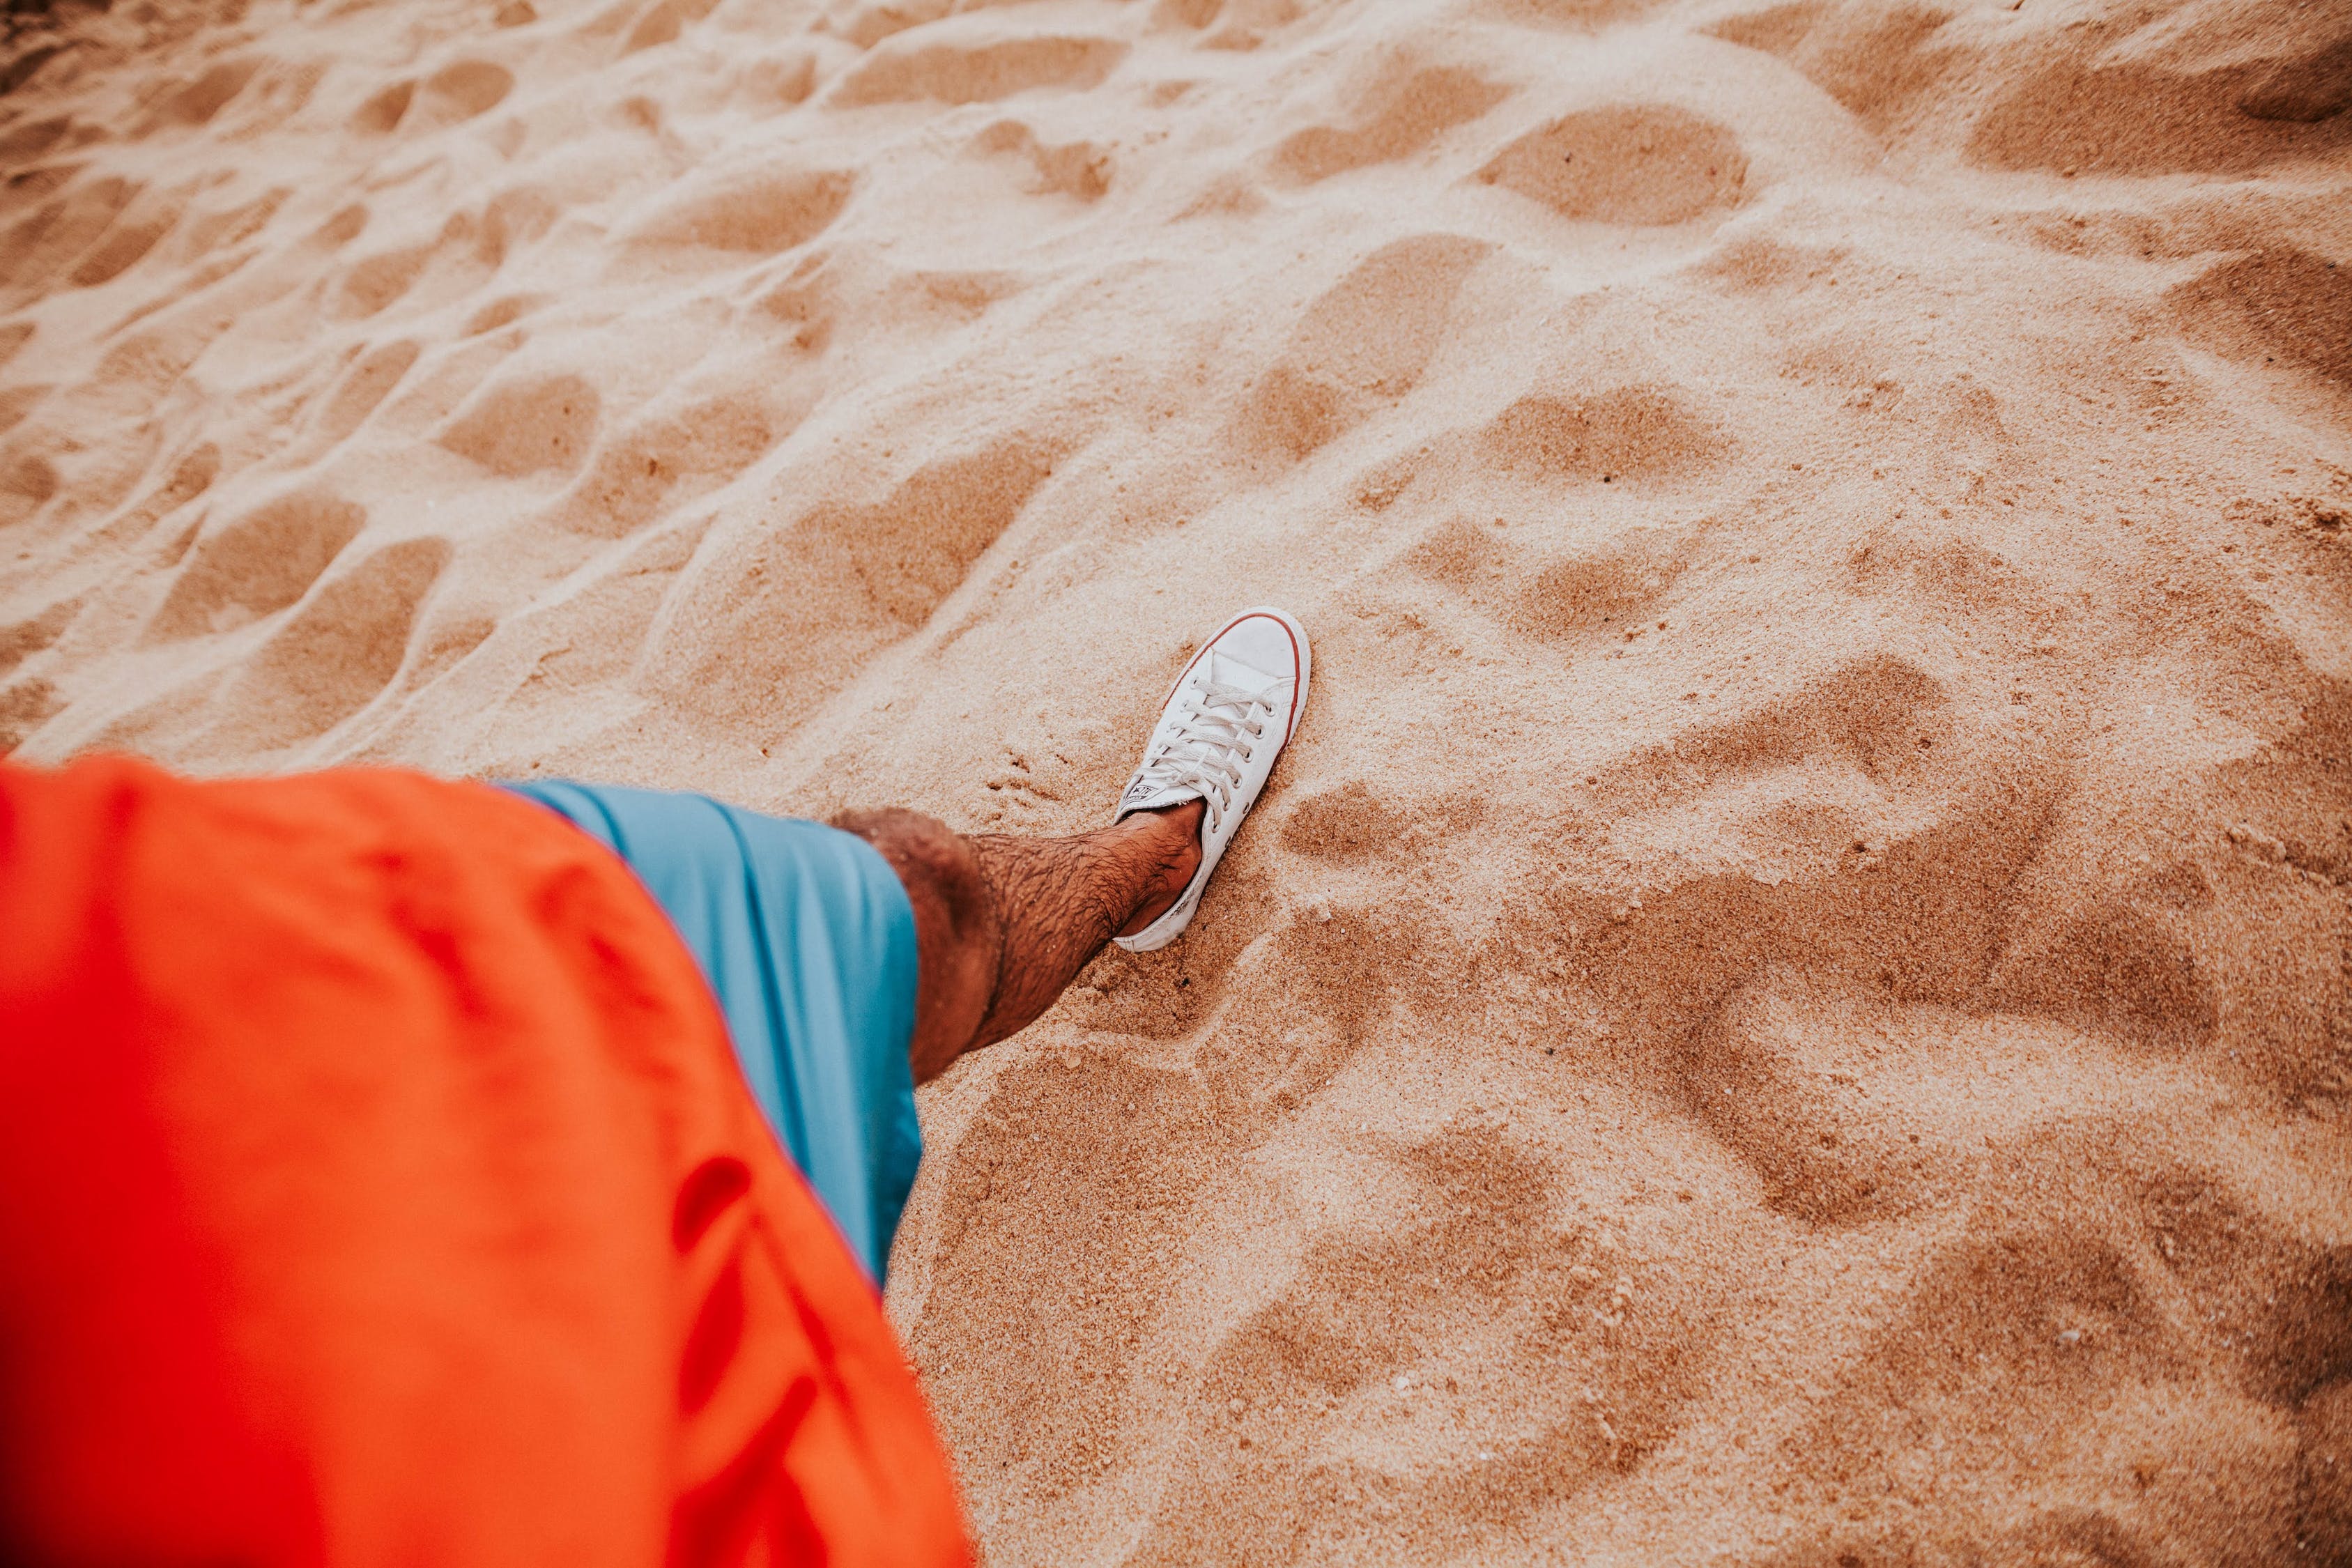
point(807, 938)
point(382, 1186)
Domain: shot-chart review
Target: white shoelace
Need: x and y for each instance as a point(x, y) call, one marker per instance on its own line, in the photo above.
point(1219, 727)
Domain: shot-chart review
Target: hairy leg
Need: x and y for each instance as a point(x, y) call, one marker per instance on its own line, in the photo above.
point(1003, 924)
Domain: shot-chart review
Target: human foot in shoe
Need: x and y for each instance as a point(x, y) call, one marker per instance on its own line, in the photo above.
point(1231, 711)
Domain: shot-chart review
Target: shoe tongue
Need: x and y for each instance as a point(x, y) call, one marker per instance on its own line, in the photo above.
point(1142, 796)
point(1223, 666)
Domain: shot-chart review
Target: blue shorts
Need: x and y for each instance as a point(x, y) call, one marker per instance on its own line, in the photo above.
point(807, 936)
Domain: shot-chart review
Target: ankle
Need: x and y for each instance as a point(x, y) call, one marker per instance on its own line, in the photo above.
point(1171, 836)
point(1168, 846)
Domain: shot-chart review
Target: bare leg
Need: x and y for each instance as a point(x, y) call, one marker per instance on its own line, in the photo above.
point(1003, 924)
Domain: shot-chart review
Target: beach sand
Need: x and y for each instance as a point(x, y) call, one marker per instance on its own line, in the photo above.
point(1790, 1003)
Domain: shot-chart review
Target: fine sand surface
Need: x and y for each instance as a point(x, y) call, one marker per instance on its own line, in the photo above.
point(1789, 1004)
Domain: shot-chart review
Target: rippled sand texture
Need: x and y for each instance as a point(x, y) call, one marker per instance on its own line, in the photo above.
point(1790, 1006)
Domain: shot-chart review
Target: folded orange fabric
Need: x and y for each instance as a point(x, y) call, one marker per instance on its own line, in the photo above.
point(381, 1188)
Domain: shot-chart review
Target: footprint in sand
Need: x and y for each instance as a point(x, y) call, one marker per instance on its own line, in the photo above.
point(207, 231)
point(380, 114)
point(662, 22)
point(935, 524)
point(19, 640)
point(2200, 105)
point(196, 102)
point(977, 69)
point(458, 91)
point(20, 145)
point(760, 213)
point(455, 93)
point(2281, 303)
point(334, 655)
point(809, 602)
point(659, 462)
point(256, 565)
point(25, 706)
point(1598, 591)
point(366, 384)
point(16, 402)
point(142, 222)
point(1648, 164)
point(1626, 433)
point(1360, 347)
point(527, 425)
point(42, 246)
point(468, 249)
point(1347, 822)
point(190, 477)
point(2118, 968)
point(1396, 111)
point(27, 481)
point(1079, 169)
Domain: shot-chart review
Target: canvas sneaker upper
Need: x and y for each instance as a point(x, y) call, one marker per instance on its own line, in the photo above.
point(1231, 713)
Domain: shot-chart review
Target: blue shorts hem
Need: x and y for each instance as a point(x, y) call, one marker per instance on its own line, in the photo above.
point(808, 941)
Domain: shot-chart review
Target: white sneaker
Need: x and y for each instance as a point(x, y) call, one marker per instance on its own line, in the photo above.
point(1231, 711)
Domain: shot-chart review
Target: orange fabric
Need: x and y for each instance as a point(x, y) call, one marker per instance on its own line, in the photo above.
point(380, 1187)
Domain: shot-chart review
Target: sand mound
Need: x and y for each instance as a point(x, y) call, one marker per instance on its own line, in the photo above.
point(1792, 1003)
